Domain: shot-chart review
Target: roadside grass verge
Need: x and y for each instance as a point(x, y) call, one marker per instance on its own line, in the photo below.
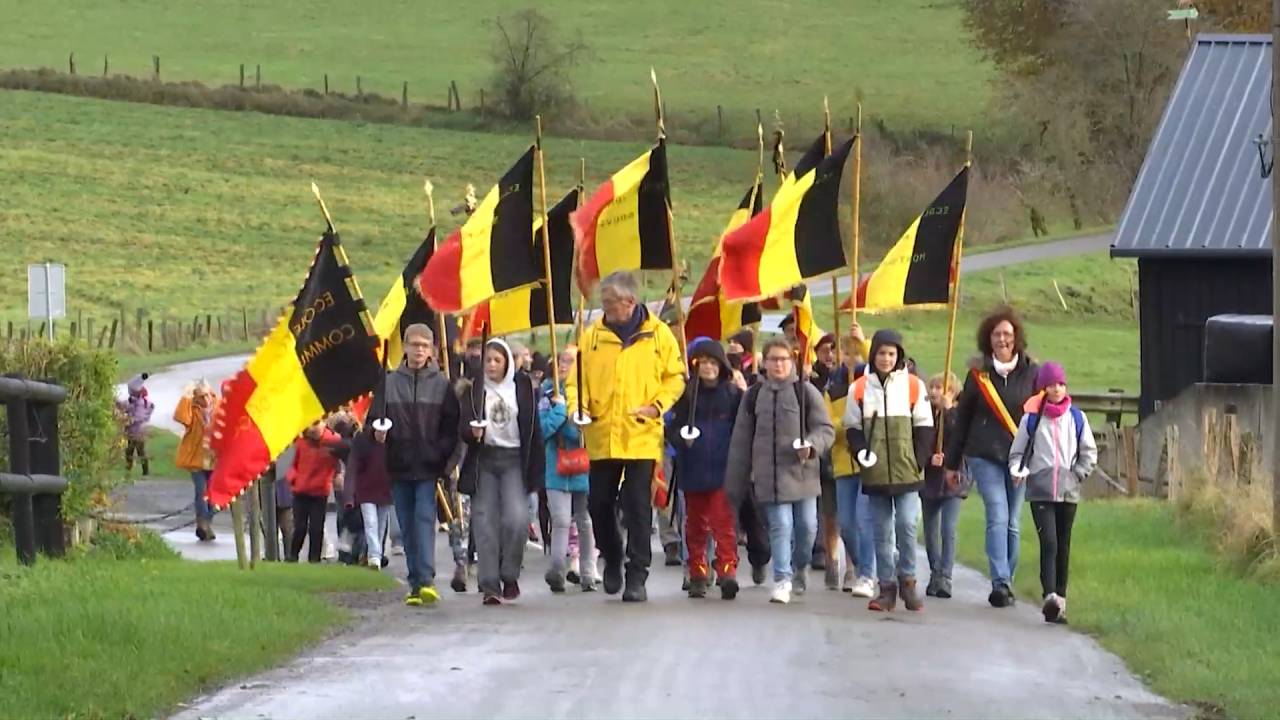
point(1151, 589)
point(127, 630)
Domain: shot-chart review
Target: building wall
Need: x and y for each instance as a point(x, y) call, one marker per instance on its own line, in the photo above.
point(1176, 296)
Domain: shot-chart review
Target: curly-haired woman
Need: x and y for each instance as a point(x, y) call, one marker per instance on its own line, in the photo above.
point(987, 416)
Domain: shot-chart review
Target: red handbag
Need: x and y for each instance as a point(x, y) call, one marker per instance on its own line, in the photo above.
point(571, 461)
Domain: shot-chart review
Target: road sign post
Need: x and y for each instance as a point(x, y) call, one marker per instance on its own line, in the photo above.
point(47, 292)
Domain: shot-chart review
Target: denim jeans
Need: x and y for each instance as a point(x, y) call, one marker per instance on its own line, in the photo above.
point(416, 511)
point(895, 515)
point(499, 517)
point(375, 519)
point(854, 513)
point(200, 479)
point(1003, 501)
point(792, 529)
point(570, 509)
point(940, 517)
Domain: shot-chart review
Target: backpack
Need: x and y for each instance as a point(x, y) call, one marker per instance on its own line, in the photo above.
point(1033, 424)
point(753, 394)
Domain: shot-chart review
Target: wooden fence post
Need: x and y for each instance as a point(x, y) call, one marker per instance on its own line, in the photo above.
point(105, 65)
point(257, 77)
point(221, 335)
point(88, 331)
point(482, 102)
point(208, 326)
point(1129, 445)
point(151, 336)
point(359, 88)
point(457, 99)
point(114, 326)
point(719, 121)
point(140, 312)
point(71, 62)
point(326, 84)
point(244, 319)
point(404, 95)
point(241, 76)
point(155, 65)
point(102, 336)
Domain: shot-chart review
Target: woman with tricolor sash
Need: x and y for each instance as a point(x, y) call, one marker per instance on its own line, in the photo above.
point(987, 416)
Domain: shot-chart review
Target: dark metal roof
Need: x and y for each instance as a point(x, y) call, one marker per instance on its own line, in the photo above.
point(1201, 192)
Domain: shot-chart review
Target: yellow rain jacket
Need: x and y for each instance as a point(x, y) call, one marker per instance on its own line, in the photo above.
point(618, 380)
point(193, 451)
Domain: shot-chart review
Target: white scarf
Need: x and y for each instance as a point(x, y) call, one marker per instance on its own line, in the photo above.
point(1003, 369)
point(500, 405)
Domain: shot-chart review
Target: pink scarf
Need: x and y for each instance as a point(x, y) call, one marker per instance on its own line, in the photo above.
point(1054, 411)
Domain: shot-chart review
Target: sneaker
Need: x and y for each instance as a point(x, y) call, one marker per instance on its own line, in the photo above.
point(1052, 608)
point(781, 592)
point(698, 588)
point(397, 550)
point(729, 588)
point(863, 587)
point(413, 599)
point(572, 578)
point(831, 578)
point(612, 578)
point(459, 582)
point(588, 585)
point(491, 599)
point(635, 592)
point(375, 564)
point(511, 590)
point(910, 598)
point(931, 590)
point(850, 577)
point(429, 594)
point(887, 600)
point(672, 551)
point(758, 574)
point(1000, 596)
point(944, 589)
point(555, 581)
point(799, 582)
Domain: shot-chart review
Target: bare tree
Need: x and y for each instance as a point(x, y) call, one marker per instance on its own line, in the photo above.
point(533, 66)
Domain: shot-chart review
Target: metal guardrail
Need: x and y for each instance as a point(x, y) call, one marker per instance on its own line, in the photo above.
point(34, 481)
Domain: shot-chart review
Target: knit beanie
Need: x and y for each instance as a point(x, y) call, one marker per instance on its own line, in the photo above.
point(1051, 373)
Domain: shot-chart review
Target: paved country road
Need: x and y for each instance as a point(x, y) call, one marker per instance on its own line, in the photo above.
point(577, 655)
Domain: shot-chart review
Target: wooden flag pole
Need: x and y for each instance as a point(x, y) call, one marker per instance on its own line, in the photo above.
point(857, 221)
point(835, 286)
point(450, 511)
point(580, 416)
point(957, 254)
point(671, 236)
point(324, 209)
point(546, 260)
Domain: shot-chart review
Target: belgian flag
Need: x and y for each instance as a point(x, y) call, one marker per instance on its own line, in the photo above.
point(526, 309)
point(492, 253)
point(710, 315)
point(921, 267)
point(321, 354)
point(626, 224)
point(797, 238)
point(804, 324)
point(404, 306)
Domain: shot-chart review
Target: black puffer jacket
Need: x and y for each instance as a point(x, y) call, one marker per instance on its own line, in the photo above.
point(424, 411)
point(978, 432)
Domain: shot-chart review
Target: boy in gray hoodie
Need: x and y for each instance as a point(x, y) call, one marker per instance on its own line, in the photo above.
point(1053, 452)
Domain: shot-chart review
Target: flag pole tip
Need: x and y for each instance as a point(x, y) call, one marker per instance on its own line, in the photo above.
point(427, 187)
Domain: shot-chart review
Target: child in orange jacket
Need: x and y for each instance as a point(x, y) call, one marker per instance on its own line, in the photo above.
point(311, 479)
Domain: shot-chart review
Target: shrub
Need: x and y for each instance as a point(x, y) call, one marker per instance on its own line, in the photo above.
point(129, 542)
point(89, 437)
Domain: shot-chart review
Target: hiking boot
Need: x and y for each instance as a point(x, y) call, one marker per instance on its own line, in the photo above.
point(850, 577)
point(491, 599)
point(863, 587)
point(799, 582)
point(200, 531)
point(729, 588)
point(429, 594)
point(697, 588)
point(1000, 596)
point(572, 578)
point(555, 581)
point(413, 599)
point(758, 574)
point(635, 591)
point(910, 597)
point(612, 578)
point(589, 585)
point(832, 577)
point(511, 589)
point(931, 590)
point(459, 582)
point(887, 600)
point(944, 588)
point(672, 551)
point(781, 592)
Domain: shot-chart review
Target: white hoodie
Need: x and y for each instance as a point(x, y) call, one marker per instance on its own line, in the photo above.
point(500, 405)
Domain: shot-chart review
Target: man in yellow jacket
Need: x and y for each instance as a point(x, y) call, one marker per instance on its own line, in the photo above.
point(631, 375)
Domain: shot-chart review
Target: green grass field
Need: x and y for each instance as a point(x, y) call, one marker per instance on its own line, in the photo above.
point(1147, 585)
point(96, 636)
point(909, 61)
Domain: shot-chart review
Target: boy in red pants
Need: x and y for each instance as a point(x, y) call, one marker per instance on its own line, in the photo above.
point(699, 430)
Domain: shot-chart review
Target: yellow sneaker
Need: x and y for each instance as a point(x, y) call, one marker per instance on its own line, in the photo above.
point(413, 599)
point(427, 594)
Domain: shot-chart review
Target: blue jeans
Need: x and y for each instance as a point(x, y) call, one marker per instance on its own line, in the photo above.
point(940, 517)
point(416, 511)
point(792, 529)
point(895, 515)
point(1003, 501)
point(854, 513)
point(200, 478)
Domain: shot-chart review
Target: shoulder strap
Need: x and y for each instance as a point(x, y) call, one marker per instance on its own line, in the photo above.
point(1078, 416)
point(992, 398)
point(753, 394)
point(913, 393)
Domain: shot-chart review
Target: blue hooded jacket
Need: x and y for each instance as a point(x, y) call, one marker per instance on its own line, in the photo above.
point(559, 432)
point(700, 467)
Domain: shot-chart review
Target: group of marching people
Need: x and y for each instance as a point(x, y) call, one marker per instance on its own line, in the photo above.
point(755, 450)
